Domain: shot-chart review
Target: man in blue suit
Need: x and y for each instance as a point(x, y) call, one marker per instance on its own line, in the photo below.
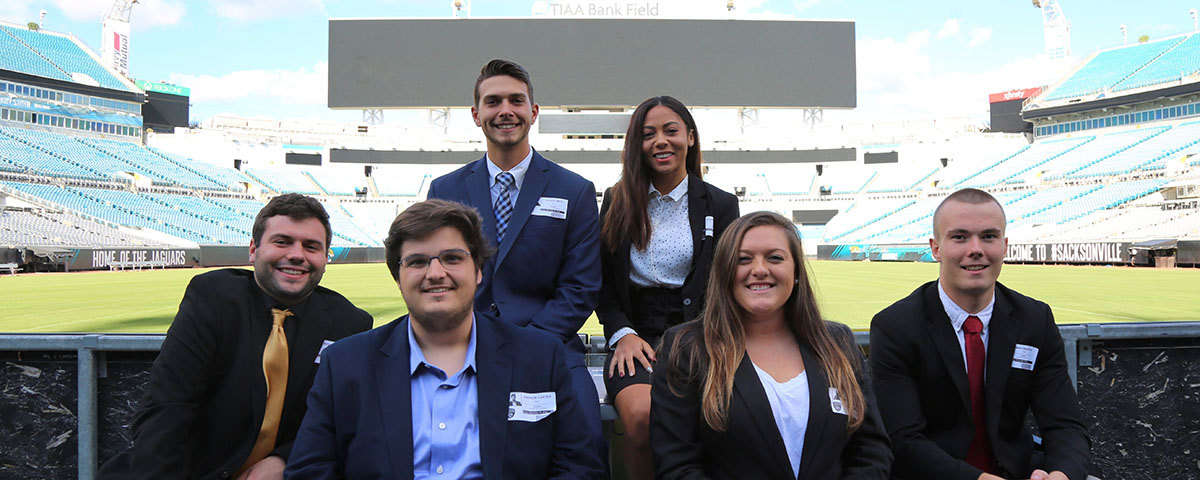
point(443, 392)
point(542, 217)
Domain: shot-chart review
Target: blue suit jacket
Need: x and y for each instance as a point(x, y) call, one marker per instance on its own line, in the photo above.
point(359, 423)
point(551, 280)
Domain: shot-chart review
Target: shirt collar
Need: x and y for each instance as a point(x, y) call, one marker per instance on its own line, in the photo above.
point(518, 171)
point(416, 357)
point(958, 316)
point(676, 194)
point(297, 308)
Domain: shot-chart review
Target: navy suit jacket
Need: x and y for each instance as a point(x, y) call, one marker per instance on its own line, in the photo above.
point(546, 272)
point(359, 423)
point(919, 372)
point(751, 446)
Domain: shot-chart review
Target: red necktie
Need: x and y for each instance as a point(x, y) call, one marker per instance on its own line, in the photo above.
point(979, 455)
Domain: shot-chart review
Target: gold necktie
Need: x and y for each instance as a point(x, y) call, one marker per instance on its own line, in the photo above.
point(275, 369)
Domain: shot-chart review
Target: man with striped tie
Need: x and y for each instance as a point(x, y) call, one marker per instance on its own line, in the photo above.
point(227, 391)
point(543, 220)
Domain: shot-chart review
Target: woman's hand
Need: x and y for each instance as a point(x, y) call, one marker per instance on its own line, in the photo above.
point(630, 348)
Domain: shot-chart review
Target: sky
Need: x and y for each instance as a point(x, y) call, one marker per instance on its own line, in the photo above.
point(915, 59)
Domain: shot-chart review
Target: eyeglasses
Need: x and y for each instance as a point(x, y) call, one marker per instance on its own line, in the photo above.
point(449, 258)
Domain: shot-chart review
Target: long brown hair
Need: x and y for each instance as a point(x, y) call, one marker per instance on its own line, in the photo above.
point(718, 348)
point(626, 216)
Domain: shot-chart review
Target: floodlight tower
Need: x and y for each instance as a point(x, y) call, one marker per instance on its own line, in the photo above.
point(115, 32)
point(1057, 29)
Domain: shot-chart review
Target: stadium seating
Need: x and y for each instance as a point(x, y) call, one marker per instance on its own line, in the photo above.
point(158, 167)
point(338, 182)
point(226, 177)
point(892, 178)
point(284, 180)
point(64, 54)
point(1179, 62)
point(1011, 169)
point(1108, 68)
point(45, 228)
point(19, 57)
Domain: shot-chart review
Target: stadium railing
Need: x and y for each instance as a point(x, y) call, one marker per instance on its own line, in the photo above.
point(91, 361)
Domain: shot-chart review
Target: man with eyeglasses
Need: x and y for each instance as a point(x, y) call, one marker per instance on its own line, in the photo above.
point(443, 392)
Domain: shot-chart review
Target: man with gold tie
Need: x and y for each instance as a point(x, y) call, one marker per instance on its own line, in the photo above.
point(227, 391)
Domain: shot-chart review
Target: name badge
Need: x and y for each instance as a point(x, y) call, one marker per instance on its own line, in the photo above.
point(323, 345)
point(1024, 356)
point(530, 407)
point(551, 207)
point(835, 402)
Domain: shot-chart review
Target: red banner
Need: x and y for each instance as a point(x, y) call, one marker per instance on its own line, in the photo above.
point(1014, 94)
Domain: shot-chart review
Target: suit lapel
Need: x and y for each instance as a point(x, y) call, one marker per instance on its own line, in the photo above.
point(697, 209)
point(1000, 346)
point(748, 388)
point(259, 328)
point(946, 341)
point(393, 380)
point(480, 192)
point(492, 358)
point(819, 412)
point(532, 187)
point(310, 333)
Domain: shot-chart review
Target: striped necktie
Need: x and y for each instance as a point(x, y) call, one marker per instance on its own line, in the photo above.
point(275, 369)
point(504, 206)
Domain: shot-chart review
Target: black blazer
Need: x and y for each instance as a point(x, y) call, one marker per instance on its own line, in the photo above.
point(615, 310)
point(752, 447)
point(918, 368)
point(204, 405)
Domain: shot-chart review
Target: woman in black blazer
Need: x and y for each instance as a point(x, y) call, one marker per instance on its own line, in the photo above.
point(659, 224)
point(760, 386)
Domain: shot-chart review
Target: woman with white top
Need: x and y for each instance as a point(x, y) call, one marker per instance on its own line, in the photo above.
point(760, 386)
point(659, 225)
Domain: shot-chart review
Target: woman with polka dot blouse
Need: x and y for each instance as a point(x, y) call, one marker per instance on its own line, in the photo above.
point(659, 225)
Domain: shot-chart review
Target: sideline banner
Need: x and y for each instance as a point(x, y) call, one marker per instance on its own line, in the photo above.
point(1092, 253)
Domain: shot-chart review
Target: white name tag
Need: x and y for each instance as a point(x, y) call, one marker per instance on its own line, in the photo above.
point(835, 402)
point(323, 346)
point(1024, 356)
point(551, 207)
point(530, 407)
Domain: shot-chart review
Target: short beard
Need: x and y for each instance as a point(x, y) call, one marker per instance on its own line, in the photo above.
point(440, 322)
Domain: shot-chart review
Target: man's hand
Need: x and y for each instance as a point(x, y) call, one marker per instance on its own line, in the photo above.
point(1040, 474)
point(988, 476)
point(631, 347)
point(270, 468)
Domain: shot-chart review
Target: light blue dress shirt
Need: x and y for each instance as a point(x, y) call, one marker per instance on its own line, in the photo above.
point(445, 416)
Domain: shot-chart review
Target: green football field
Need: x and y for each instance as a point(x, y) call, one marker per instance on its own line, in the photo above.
point(850, 292)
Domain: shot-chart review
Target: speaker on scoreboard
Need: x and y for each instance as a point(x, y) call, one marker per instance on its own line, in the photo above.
point(820, 168)
point(945, 161)
point(237, 164)
point(367, 170)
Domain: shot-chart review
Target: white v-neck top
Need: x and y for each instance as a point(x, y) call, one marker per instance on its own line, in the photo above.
point(790, 405)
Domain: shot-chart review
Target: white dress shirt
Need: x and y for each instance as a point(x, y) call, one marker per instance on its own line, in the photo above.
point(518, 173)
point(958, 316)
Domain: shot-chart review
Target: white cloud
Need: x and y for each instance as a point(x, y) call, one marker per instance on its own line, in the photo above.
point(253, 10)
point(896, 79)
point(307, 86)
point(145, 14)
point(979, 36)
point(951, 28)
point(18, 12)
point(802, 5)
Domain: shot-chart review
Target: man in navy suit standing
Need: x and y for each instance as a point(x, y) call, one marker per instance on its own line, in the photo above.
point(443, 392)
point(543, 219)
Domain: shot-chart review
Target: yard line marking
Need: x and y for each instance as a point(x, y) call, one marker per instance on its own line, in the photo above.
point(1100, 314)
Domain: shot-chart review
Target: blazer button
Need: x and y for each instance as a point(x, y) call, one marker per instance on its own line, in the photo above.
point(493, 308)
point(225, 473)
point(687, 302)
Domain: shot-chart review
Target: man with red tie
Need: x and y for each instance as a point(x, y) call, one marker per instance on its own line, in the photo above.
point(960, 362)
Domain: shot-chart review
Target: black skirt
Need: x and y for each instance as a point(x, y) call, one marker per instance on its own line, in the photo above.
point(654, 311)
